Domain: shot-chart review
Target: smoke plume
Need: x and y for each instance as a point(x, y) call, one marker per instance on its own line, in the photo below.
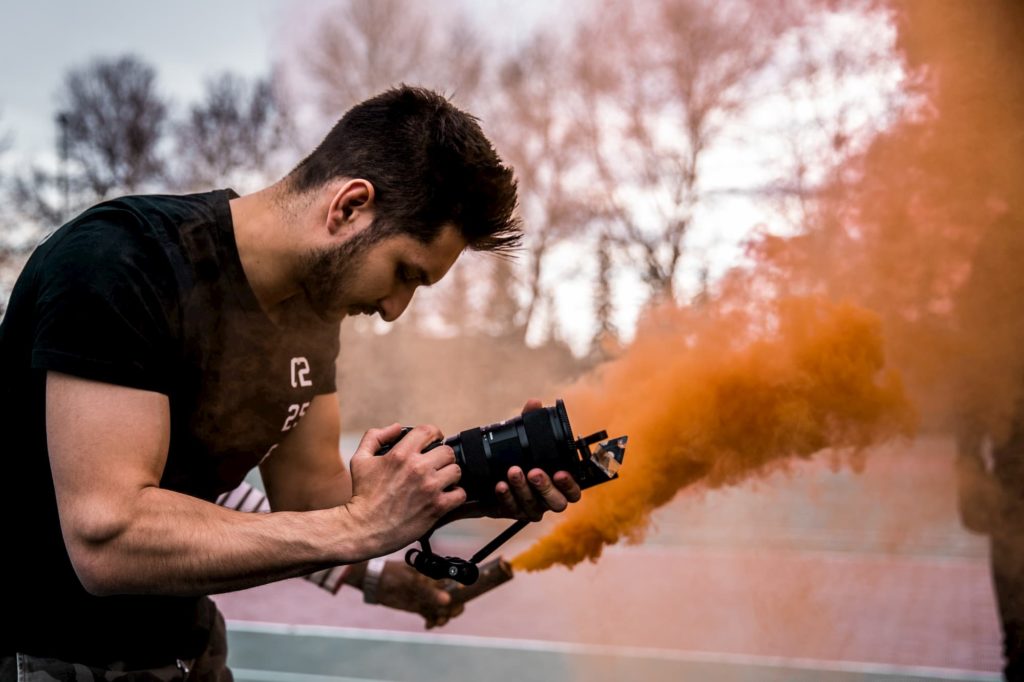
point(711, 397)
point(928, 236)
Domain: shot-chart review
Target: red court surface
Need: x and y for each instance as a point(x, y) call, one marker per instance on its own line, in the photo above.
point(809, 565)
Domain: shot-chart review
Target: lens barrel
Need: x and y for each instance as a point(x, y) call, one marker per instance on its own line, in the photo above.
point(538, 439)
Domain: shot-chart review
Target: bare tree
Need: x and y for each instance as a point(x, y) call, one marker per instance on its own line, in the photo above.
point(115, 121)
point(110, 126)
point(232, 134)
point(366, 46)
point(661, 82)
point(605, 334)
point(534, 128)
point(823, 76)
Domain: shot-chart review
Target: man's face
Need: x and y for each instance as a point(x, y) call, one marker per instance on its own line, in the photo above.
point(368, 275)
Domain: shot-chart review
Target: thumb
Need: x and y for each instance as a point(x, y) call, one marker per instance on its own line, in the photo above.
point(374, 439)
point(441, 598)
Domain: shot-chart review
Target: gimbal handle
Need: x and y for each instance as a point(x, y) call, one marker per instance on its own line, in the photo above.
point(454, 568)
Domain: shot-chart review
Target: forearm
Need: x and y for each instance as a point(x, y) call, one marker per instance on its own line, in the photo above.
point(246, 498)
point(174, 544)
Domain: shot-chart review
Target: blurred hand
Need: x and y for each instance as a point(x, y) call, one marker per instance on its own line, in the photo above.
point(402, 587)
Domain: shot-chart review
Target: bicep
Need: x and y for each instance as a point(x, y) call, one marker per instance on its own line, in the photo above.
point(306, 471)
point(106, 443)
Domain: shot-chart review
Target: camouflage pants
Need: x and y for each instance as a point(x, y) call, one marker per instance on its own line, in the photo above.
point(210, 666)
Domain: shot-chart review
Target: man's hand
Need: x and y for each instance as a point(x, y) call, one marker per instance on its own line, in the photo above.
point(529, 496)
point(398, 497)
point(402, 587)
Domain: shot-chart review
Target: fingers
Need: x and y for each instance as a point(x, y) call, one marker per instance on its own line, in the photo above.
point(420, 437)
point(440, 457)
point(414, 441)
point(532, 404)
point(452, 499)
point(442, 610)
point(523, 495)
point(449, 475)
point(552, 496)
point(507, 507)
point(568, 486)
point(374, 439)
point(438, 619)
point(529, 497)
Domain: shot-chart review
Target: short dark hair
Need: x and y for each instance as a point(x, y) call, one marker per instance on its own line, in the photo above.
point(429, 162)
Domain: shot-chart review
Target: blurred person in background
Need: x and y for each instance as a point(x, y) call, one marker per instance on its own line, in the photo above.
point(158, 348)
point(990, 442)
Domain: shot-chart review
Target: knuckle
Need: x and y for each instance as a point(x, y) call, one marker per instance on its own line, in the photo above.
point(429, 430)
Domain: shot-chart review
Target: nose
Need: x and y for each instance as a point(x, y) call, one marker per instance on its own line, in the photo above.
point(392, 307)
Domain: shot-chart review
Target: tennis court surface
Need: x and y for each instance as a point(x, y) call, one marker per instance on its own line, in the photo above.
point(809, 574)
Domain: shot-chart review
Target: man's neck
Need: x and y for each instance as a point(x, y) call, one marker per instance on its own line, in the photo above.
point(265, 247)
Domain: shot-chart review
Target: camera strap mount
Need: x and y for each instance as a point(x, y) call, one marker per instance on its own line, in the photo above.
point(463, 571)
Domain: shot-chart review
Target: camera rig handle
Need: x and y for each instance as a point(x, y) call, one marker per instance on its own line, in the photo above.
point(465, 571)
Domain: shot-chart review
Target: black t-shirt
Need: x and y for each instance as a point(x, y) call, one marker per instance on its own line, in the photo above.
point(146, 292)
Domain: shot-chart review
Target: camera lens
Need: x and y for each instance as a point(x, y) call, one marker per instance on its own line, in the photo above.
point(538, 439)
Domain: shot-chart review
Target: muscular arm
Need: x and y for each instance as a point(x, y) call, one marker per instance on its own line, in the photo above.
point(108, 447)
point(307, 472)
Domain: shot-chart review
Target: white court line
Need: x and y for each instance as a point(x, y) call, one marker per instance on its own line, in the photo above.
point(277, 676)
point(573, 648)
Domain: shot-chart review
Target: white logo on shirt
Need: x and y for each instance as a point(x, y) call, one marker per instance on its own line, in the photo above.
point(295, 413)
point(300, 373)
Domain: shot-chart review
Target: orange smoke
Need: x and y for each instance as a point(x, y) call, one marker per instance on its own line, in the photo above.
point(704, 403)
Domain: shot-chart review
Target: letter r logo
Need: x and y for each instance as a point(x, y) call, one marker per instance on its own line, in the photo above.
point(300, 372)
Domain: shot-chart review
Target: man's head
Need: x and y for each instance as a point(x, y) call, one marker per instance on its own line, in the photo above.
point(409, 181)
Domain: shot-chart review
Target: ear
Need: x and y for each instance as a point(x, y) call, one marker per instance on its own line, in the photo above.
point(351, 207)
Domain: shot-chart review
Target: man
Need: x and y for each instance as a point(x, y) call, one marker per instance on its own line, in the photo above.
point(156, 349)
point(990, 432)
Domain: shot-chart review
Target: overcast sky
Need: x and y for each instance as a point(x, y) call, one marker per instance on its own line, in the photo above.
point(187, 41)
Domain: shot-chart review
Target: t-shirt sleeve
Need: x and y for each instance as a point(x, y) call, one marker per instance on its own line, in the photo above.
point(104, 293)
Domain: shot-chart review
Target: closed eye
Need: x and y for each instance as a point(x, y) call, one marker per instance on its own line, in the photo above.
point(414, 275)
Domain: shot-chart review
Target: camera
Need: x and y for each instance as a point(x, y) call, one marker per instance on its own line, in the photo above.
point(537, 439)
point(541, 439)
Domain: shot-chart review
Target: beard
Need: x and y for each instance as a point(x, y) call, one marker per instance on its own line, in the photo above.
point(326, 274)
